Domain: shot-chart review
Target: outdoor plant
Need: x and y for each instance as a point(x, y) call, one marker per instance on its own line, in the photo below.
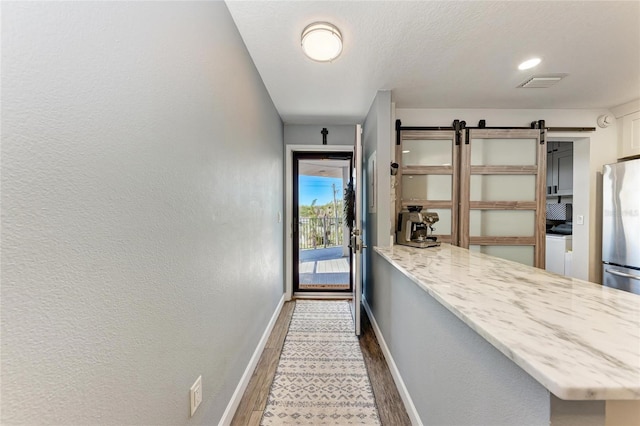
point(349, 205)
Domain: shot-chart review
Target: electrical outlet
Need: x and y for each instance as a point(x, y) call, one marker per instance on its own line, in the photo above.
point(196, 395)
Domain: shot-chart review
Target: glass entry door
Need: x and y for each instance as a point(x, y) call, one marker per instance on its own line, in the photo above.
point(321, 254)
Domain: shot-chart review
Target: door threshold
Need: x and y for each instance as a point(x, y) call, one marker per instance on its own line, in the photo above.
point(322, 295)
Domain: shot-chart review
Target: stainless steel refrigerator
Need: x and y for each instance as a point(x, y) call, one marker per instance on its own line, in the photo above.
point(621, 225)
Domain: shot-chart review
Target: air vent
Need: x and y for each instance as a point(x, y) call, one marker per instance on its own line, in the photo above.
point(542, 81)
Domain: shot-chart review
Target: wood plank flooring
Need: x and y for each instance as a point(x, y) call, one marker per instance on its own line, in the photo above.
point(254, 400)
point(390, 406)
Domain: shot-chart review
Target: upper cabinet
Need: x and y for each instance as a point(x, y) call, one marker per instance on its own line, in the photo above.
point(629, 136)
point(559, 168)
point(628, 123)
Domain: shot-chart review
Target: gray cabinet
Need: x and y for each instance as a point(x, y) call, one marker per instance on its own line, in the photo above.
point(559, 168)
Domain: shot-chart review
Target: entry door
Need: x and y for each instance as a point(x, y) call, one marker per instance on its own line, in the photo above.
point(321, 254)
point(356, 232)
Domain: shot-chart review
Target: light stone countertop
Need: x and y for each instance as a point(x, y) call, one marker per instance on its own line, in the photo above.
point(578, 339)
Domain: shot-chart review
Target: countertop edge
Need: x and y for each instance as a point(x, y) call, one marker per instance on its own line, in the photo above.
point(562, 392)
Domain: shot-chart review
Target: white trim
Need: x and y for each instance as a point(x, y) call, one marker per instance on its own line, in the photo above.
point(288, 195)
point(626, 109)
point(323, 295)
point(229, 412)
point(395, 373)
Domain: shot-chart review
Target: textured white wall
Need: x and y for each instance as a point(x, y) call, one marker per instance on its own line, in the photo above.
point(142, 178)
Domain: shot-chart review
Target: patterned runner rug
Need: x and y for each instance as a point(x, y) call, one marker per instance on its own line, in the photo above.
point(321, 377)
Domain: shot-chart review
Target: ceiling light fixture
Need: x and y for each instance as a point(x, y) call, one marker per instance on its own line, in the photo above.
point(322, 41)
point(529, 63)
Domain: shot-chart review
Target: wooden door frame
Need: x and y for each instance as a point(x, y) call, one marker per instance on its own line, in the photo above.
point(451, 170)
point(288, 267)
point(538, 205)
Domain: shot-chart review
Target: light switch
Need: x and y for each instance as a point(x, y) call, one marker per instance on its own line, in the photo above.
point(580, 220)
point(196, 395)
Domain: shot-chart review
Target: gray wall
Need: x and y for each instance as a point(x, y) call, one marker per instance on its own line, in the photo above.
point(376, 138)
point(454, 376)
point(141, 182)
point(309, 134)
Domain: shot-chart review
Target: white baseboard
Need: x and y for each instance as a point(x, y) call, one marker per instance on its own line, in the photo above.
point(229, 412)
point(395, 373)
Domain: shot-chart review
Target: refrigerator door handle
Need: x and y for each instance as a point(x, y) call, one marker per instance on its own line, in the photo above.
point(623, 274)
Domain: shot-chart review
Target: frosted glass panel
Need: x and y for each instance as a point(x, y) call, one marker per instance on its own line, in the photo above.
point(521, 254)
point(503, 152)
point(427, 152)
point(426, 187)
point(503, 188)
point(443, 226)
point(502, 223)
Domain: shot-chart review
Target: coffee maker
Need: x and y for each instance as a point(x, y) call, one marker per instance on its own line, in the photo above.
point(415, 228)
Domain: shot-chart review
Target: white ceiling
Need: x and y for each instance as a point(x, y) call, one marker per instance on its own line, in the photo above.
point(324, 168)
point(443, 54)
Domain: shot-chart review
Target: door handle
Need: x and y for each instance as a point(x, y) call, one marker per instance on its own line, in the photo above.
point(555, 189)
point(623, 274)
point(548, 190)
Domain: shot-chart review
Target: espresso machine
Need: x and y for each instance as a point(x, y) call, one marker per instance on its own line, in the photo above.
point(415, 228)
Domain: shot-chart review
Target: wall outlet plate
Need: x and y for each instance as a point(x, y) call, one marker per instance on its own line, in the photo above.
point(196, 395)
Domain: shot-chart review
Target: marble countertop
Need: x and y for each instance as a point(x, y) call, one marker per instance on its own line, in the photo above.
point(578, 339)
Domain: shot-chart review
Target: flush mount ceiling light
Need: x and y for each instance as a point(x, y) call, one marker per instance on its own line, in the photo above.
point(322, 41)
point(529, 63)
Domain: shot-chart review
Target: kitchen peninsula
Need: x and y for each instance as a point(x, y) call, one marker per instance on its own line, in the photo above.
point(480, 340)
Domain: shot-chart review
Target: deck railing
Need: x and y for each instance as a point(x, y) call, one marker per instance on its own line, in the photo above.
point(320, 232)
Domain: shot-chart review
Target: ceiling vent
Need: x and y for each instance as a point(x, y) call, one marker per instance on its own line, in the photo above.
point(542, 81)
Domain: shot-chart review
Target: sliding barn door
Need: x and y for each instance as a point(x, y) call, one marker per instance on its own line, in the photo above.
point(428, 177)
point(502, 193)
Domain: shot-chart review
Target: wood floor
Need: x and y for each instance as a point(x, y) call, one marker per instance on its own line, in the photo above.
point(254, 400)
point(388, 401)
point(390, 406)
